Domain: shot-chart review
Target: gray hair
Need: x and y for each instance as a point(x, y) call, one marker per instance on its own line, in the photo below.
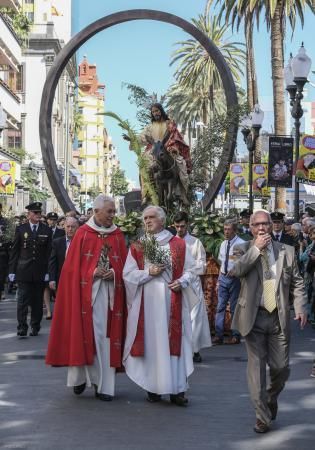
point(100, 200)
point(71, 219)
point(260, 211)
point(296, 227)
point(159, 212)
point(232, 223)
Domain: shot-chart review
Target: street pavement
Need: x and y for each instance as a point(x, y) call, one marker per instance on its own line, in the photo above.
point(37, 410)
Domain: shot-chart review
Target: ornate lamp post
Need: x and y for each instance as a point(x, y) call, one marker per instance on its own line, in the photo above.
point(295, 74)
point(250, 127)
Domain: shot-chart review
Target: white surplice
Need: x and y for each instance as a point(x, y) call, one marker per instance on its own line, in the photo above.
point(158, 371)
point(200, 323)
point(100, 373)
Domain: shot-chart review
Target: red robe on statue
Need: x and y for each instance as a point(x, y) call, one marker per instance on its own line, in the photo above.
point(71, 341)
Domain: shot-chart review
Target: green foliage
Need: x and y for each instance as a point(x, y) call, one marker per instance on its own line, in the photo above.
point(20, 23)
point(7, 230)
point(139, 97)
point(208, 148)
point(136, 146)
point(119, 184)
point(29, 179)
point(130, 225)
point(94, 191)
point(209, 229)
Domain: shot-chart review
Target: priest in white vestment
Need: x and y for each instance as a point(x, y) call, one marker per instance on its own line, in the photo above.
point(200, 323)
point(158, 348)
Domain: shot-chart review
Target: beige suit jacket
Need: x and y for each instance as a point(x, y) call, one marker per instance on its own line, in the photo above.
point(289, 284)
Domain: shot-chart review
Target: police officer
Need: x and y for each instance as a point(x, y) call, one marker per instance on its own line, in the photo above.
point(29, 267)
point(278, 233)
point(52, 219)
point(244, 229)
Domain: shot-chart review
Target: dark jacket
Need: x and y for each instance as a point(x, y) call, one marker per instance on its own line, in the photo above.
point(59, 232)
point(29, 254)
point(57, 258)
point(285, 239)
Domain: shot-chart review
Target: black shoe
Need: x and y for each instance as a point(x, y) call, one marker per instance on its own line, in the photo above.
point(273, 406)
point(22, 333)
point(79, 389)
point(105, 397)
point(261, 427)
point(153, 398)
point(197, 358)
point(34, 332)
point(179, 399)
point(49, 317)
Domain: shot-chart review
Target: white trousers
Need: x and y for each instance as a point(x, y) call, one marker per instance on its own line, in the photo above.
point(100, 373)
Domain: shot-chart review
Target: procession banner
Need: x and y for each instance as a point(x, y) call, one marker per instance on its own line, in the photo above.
point(280, 163)
point(260, 180)
point(305, 170)
point(239, 179)
point(7, 178)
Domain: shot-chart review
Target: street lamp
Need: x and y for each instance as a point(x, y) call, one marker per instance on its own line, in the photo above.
point(295, 75)
point(250, 127)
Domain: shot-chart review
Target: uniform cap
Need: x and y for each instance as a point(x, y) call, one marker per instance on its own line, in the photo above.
point(36, 207)
point(277, 215)
point(52, 215)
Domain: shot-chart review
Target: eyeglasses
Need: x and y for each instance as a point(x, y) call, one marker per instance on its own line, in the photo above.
point(263, 224)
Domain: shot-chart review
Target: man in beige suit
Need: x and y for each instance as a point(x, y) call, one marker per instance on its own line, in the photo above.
point(269, 275)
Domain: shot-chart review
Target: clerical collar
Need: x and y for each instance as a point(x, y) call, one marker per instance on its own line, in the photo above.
point(163, 237)
point(103, 230)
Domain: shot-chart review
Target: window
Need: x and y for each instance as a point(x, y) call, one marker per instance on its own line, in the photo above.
point(14, 139)
point(30, 16)
point(30, 2)
point(19, 79)
point(80, 144)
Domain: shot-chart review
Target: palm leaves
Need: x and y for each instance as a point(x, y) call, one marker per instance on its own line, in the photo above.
point(198, 81)
point(136, 146)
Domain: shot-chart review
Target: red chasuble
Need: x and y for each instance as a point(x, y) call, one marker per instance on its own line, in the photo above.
point(71, 341)
point(178, 249)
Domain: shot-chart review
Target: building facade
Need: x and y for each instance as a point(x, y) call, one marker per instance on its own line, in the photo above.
point(95, 153)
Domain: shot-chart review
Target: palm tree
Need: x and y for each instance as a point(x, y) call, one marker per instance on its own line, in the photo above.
point(276, 12)
point(197, 73)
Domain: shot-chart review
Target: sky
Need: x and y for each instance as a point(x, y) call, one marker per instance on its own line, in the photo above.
point(139, 52)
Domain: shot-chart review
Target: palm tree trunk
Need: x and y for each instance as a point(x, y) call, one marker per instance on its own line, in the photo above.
point(251, 78)
point(277, 63)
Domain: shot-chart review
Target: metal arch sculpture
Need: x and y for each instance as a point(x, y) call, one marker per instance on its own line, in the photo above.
point(76, 42)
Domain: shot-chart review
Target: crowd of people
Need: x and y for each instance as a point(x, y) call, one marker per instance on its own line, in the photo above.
point(142, 309)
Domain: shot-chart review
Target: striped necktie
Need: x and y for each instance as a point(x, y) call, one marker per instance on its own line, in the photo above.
point(268, 284)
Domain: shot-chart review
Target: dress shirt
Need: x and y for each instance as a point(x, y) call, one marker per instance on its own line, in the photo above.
point(32, 226)
point(279, 234)
point(222, 253)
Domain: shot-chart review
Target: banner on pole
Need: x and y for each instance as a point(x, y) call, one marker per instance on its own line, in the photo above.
point(260, 180)
point(7, 178)
point(305, 170)
point(280, 163)
point(239, 179)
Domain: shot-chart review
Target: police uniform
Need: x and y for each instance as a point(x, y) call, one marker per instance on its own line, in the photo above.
point(244, 231)
point(29, 262)
point(281, 236)
point(56, 232)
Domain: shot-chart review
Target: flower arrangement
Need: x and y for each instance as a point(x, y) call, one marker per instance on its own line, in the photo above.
point(209, 229)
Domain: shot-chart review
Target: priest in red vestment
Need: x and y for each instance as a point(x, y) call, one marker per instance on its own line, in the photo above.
point(88, 327)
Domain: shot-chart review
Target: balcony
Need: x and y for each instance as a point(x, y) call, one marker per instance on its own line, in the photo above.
point(10, 49)
point(13, 4)
point(10, 102)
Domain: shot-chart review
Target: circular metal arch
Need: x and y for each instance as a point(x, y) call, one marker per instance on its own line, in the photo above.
point(45, 119)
